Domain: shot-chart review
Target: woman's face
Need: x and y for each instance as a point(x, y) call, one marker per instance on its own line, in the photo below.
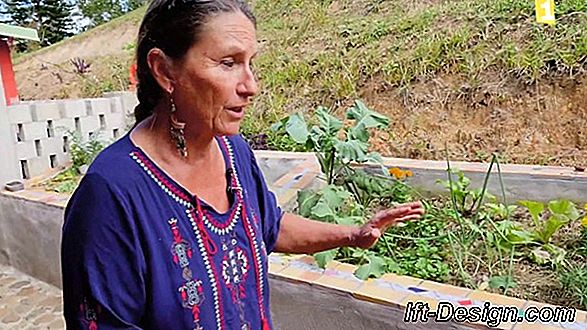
point(214, 81)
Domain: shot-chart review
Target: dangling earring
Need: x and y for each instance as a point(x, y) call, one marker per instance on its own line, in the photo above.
point(177, 130)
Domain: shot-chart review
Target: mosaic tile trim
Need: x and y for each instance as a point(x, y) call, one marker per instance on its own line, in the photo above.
point(303, 269)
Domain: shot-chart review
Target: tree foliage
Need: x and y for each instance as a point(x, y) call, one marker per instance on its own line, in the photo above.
point(51, 18)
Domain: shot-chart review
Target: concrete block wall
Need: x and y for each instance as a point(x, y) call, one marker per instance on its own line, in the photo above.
point(35, 136)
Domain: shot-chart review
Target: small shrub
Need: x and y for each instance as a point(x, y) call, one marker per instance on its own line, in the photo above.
point(80, 65)
point(574, 281)
point(84, 152)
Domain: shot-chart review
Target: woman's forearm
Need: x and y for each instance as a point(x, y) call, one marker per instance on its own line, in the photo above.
point(301, 235)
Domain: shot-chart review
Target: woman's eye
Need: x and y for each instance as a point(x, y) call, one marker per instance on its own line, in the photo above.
point(228, 63)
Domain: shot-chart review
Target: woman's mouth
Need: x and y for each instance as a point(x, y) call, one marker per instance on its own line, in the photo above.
point(236, 112)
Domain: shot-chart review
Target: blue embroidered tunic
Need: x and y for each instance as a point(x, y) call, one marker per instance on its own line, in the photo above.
point(140, 252)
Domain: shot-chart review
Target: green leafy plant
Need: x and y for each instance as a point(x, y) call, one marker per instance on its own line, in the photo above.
point(84, 152)
point(466, 199)
point(64, 182)
point(368, 187)
point(546, 224)
point(574, 282)
point(336, 153)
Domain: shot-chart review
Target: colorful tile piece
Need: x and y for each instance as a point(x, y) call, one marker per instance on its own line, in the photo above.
point(371, 291)
point(416, 289)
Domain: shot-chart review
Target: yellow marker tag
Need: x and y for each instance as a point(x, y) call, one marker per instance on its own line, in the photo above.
point(584, 222)
point(545, 11)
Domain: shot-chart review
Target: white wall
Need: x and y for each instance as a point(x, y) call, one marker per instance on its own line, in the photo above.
point(33, 135)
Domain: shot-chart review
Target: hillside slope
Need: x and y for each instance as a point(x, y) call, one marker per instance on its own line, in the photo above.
point(48, 73)
point(478, 76)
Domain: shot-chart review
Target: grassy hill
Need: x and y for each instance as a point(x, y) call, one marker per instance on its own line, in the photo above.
point(478, 76)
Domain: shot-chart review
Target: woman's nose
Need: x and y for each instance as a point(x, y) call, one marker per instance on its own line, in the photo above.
point(248, 86)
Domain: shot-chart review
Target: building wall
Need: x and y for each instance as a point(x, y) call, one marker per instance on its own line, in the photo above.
point(34, 136)
point(10, 93)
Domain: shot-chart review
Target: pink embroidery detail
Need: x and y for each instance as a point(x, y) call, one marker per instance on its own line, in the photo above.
point(191, 292)
point(249, 230)
point(90, 314)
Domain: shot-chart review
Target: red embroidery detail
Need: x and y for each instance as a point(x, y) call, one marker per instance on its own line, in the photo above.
point(160, 177)
point(225, 225)
point(90, 312)
point(208, 242)
point(210, 248)
point(257, 270)
point(181, 250)
point(191, 292)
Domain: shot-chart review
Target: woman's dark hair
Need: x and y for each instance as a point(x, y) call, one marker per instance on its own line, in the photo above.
point(173, 26)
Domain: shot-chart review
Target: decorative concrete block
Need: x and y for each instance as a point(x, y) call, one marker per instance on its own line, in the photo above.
point(62, 126)
point(116, 104)
point(25, 150)
point(19, 114)
point(72, 108)
point(34, 131)
point(114, 120)
point(38, 165)
point(43, 111)
point(98, 106)
point(63, 158)
point(53, 146)
point(129, 102)
point(89, 124)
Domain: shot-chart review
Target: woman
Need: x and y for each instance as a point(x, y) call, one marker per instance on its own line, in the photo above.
point(172, 224)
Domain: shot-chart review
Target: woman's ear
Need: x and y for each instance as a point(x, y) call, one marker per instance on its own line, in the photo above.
point(160, 66)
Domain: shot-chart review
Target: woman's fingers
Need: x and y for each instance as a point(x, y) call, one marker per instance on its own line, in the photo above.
point(402, 210)
point(400, 213)
point(409, 218)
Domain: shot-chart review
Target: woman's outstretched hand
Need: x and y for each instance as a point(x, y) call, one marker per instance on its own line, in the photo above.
point(367, 235)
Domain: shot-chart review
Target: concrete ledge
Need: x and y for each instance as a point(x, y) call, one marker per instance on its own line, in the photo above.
point(521, 182)
point(391, 293)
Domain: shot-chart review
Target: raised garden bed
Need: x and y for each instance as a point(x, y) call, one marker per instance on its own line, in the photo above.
point(468, 237)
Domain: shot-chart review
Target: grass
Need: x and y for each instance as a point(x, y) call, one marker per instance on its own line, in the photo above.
point(134, 17)
point(422, 63)
point(326, 52)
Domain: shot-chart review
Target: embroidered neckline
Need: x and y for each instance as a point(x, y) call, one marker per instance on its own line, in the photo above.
point(176, 192)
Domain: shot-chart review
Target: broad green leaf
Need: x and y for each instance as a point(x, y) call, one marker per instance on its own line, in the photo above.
point(296, 128)
point(324, 257)
point(374, 267)
point(352, 150)
point(328, 123)
point(560, 206)
point(535, 209)
point(279, 125)
point(366, 117)
point(564, 207)
point(504, 282)
point(335, 195)
point(320, 138)
point(551, 226)
point(323, 211)
point(519, 236)
point(359, 132)
point(307, 199)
